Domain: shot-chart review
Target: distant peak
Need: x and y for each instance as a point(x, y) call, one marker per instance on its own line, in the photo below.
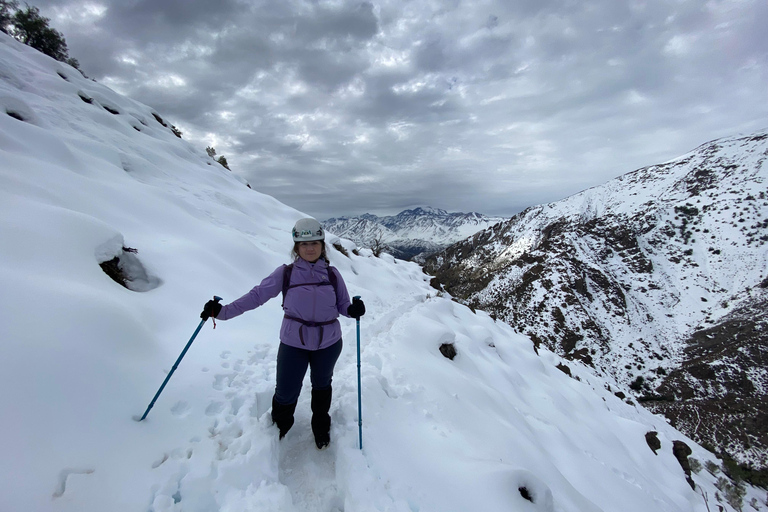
point(426, 210)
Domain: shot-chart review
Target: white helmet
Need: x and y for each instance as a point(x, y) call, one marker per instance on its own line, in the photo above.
point(308, 230)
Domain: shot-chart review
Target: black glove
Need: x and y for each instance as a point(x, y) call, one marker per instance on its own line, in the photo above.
point(211, 309)
point(356, 309)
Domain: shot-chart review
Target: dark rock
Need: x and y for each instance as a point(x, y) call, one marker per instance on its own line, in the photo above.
point(653, 440)
point(681, 451)
point(128, 271)
point(448, 350)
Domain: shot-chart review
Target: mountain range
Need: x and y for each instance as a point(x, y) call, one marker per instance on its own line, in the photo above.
point(411, 234)
point(658, 279)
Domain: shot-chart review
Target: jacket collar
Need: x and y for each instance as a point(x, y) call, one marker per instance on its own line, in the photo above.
point(302, 263)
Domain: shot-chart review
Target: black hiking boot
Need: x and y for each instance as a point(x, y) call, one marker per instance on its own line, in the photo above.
point(282, 416)
point(321, 420)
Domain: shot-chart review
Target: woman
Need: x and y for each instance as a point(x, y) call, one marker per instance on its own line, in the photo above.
point(314, 294)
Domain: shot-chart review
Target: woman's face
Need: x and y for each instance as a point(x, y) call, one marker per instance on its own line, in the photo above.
point(310, 251)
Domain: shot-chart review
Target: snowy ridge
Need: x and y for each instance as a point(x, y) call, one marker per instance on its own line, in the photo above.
point(81, 355)
point(622, 275)
point(411, 233)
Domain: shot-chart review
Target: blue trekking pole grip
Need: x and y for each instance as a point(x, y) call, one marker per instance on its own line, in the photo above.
point(359, 393)
point(176, 364)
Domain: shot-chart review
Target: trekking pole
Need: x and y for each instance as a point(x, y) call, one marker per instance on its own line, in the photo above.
point(176, 364)
point(359, 395)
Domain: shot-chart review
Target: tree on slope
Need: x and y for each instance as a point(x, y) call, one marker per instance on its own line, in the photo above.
point(223, 161)
point(6, 14)
point(32, 29)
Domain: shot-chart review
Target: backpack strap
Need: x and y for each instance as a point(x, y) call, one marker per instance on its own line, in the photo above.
point(332, 278)
point(288, 270)
point(286, 279)
point(305, 323)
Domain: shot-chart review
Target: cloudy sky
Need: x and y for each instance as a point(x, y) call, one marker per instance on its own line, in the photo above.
point(343, 107)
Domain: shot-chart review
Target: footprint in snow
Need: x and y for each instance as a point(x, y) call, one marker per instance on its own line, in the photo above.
point(64, 475)
point(159, 462)
point(181, 408)
point(214, 408)
point(222, 380)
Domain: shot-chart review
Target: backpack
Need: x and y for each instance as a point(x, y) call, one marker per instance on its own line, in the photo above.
point(332, 280)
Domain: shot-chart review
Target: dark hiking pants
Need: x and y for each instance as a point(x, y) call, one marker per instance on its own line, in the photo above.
point(292, 366)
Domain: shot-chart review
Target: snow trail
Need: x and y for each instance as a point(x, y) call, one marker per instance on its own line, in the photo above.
point(246, 462)
point(309, 473)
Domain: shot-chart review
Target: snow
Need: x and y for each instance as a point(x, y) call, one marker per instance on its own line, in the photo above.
point(82, 356)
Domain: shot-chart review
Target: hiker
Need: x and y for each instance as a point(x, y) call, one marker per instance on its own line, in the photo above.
point(314, 294)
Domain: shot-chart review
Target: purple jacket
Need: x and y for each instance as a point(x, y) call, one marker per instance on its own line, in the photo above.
point(311, 304)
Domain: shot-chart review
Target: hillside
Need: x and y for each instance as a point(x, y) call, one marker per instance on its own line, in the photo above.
point(103, 183)
point(411, 234)
point(646, 279)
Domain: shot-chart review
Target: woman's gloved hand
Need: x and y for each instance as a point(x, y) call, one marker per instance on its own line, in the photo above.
point(211, 309)
point(356, 309)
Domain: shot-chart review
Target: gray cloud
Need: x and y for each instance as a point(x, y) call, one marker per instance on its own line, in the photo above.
point(492, 106)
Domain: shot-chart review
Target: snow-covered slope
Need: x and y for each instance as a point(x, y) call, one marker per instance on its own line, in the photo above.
point(411, 233)
point(624, 275)
point(81, 356)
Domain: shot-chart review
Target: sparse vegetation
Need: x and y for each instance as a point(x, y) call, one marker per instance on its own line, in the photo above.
point(160, 120)
point(31, 28)
point(695, 465)
point(688, 210)
point(341, 249)
point(637, 384)
point(734, 492)
point(377, 245)
point(222, 160)
point(705, 496)
point(741, 472)
point(6, 15)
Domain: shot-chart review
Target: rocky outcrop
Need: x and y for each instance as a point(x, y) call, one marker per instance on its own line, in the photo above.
point(721, 386)
point(655, 279)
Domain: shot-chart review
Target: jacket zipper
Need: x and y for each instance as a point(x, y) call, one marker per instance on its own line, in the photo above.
point(314, 301)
